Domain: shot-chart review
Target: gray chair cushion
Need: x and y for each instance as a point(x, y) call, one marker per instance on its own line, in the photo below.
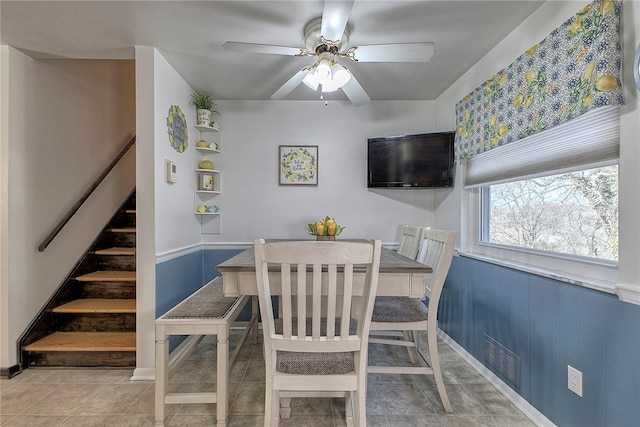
point(290, 362)
point(398, 309)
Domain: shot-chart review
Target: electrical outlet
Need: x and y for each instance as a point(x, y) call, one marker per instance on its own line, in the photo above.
point(574, 380)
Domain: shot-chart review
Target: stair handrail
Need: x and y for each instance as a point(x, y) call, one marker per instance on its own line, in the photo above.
point(85, 196)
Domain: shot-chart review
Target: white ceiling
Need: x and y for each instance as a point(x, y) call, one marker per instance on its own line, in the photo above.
point(190, 36)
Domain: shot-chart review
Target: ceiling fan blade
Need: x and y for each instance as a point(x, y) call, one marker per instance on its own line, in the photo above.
point(334, 19)
point(290, 85)
point(401, 52)
point(261, 48)
point(355, 93)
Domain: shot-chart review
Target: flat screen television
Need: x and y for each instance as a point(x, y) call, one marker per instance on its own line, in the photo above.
point(411, 161)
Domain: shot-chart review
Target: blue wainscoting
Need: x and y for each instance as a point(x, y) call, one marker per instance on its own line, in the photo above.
point(550, 324)
point(179, 277)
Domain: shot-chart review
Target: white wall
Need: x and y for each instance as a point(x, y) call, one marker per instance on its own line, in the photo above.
point(548, 17)
point(165, 218)
point(254, 205)
point(176, 225)
point(65, 121)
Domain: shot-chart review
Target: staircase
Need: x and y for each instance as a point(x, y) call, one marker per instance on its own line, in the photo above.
point(91, 320)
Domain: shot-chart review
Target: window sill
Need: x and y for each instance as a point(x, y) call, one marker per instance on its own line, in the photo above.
point(585, 282)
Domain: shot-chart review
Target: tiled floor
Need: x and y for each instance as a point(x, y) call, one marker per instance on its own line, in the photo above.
point(107, 397)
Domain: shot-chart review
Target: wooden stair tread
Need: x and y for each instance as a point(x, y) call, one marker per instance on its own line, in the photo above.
point(86, 341)
point(108, 276)
point(116, 251)
point(123, 230)
point(98, 305)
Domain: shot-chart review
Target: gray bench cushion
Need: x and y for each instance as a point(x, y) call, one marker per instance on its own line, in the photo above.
point(398, 309)
point(207, 302)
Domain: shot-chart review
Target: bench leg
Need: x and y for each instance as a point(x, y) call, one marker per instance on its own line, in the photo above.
point(162, 374)
point(222, 388)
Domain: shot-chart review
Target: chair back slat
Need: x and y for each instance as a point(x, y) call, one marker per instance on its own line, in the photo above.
point(301, 306)
point(346, 307)
point(410, 241)
point(436, 252)
point(319, 275)
point(332, 295)
point(286, 302)
point(316, 301)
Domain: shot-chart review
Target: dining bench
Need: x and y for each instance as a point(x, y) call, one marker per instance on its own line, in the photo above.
point(205, 312)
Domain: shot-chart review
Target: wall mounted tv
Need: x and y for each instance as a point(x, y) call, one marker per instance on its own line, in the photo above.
point(411, 161)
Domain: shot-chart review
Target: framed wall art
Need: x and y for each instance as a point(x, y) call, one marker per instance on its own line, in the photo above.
point(298, 165)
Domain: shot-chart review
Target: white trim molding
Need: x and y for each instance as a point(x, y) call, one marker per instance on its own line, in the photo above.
point(628, 293)
point(177, 253)
point(143, 374)
point(518, 401)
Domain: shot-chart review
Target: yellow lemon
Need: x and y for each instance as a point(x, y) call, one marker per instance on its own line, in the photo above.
point(531, 76)
point(502, 79)
point(528, 101)
point(494, 120)
point(518, 100)
point(202, 209)
point(205, 164)
point(587, 100)
point(606, 83)
point(467, 115)
point(531, 50)
point(502, 131)
point(606, 7)
point(202, 144)
point(576, 26)
point(589, 71)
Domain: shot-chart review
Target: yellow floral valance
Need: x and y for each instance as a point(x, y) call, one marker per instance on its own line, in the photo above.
point(572, 71)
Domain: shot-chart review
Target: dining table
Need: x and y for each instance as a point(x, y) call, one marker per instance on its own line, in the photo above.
point(398, 275)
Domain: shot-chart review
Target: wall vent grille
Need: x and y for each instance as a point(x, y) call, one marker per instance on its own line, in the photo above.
point(502, 360)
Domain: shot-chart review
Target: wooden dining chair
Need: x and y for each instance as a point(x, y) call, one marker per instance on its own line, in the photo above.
point(410, 241)
point(410, 315)
point(319, 344)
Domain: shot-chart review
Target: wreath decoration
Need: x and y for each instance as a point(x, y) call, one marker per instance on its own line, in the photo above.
point(177, 129)
point(299, 165)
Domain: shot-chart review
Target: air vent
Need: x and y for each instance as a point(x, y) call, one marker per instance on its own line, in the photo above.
point(502, 360)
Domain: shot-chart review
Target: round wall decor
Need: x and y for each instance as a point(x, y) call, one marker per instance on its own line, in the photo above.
point(177, 129)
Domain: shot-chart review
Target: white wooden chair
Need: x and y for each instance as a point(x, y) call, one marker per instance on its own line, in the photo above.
point(410, 241)
point(312, 353)
point(411, 316)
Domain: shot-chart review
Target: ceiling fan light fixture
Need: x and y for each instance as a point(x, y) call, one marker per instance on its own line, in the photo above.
point(341, 75)
point(323, 71)
point(310, 80)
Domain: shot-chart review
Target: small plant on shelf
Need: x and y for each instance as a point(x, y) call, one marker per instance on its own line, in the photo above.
point(205, 105)
point(203, 101)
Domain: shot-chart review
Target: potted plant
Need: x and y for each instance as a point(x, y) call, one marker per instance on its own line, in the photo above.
point(205, 105)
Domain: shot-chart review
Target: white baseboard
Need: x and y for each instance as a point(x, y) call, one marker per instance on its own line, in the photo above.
point(143, 374)
point(518, 401)
point(180, 352)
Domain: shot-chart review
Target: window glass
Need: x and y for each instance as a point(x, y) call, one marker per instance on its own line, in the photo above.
point(571, 213)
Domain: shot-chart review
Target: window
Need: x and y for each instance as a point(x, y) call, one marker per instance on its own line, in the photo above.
point(573, 213)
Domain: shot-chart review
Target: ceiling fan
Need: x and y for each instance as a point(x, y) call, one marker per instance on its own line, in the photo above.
point(327, 40)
